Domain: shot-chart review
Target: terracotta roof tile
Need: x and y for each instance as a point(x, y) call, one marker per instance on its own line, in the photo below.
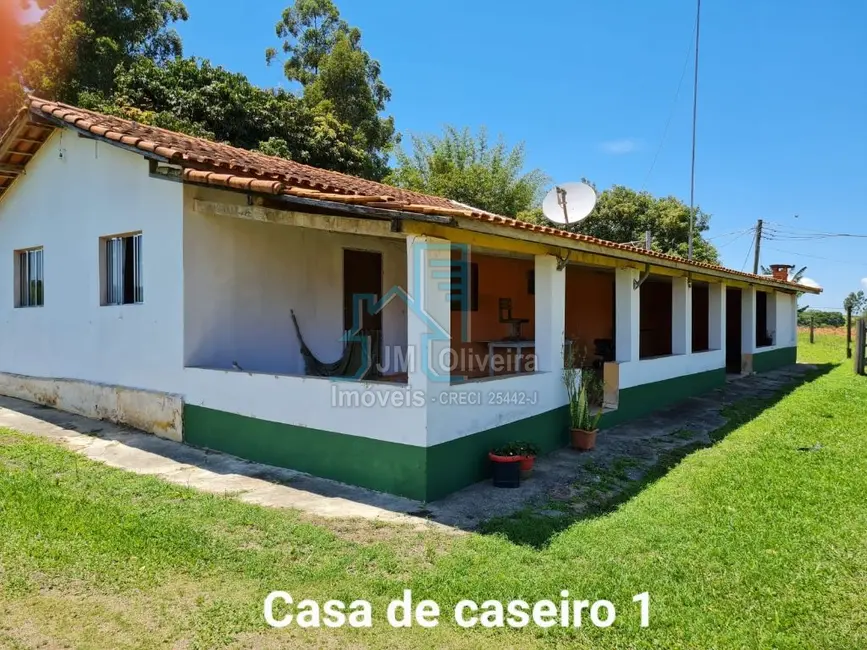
point(217, 164)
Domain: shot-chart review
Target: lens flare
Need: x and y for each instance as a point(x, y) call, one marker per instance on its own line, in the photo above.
point(11, 17)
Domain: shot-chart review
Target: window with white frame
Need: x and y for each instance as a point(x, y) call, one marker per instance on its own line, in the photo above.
point(30, 274)
point(122, 270)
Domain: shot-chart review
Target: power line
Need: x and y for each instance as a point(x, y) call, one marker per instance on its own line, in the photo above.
point(733, 232)
point(783, 232)
point(818, 257)
point(740, 235)
point(671, 111)
point(749, 250)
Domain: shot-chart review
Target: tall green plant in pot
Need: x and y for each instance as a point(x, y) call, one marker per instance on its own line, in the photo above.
point(583, 425)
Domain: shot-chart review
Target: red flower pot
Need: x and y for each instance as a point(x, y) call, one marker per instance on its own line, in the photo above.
point(527, 463)
point(504, 459)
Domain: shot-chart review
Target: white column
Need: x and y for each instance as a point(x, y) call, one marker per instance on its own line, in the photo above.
point(748, 320)
point(681, 316)
point(785, 303)
point(793, 320)
point(550, 314)
point(716, 317)
point(627, 305)
point(428, 312)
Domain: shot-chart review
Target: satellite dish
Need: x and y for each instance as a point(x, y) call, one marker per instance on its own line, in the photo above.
point(807, 282)
point(569, 202)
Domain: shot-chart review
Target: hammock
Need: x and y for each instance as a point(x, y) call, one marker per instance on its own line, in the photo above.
point(357, 360)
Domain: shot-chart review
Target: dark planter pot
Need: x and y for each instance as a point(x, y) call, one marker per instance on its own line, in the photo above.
point(507, 470)
point(583, 440)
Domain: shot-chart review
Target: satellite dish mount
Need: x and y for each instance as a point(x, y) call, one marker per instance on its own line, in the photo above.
point(561, 201)
point(569, 203)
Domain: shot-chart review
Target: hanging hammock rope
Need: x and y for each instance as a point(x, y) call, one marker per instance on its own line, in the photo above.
point(357, 360)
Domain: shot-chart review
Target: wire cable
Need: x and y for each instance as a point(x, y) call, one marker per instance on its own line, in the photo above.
point(732, 241)
point(673, 107)
point(816, 257)
point(746, 259)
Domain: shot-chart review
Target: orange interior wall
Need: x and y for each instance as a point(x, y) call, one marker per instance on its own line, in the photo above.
point(499, 277)
point(655, 325)
point(589, 308)
point(700, 317)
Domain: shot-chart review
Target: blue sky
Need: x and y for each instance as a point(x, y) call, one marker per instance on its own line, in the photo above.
point(590, 86)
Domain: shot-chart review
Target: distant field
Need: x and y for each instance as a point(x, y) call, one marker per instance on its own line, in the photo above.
point(824, 331)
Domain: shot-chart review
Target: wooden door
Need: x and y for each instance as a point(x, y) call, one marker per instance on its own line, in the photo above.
point(362, 277)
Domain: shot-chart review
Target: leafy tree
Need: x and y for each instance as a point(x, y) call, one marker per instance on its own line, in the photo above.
point(623, 215)
point(194, 97)
point(857, 302)
point(470, 169)
point(324, 55)
point(78, 44)
point(309, 31)
point(821, 318)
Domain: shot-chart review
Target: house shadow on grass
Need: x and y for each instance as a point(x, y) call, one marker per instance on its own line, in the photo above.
point(633, 456)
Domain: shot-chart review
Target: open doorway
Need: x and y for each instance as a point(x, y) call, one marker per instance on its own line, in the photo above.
point(362, 280)
point(733, 330)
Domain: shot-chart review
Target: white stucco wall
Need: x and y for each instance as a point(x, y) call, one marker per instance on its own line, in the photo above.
point(386, 411)
point(786, 320)
point(242, 278)
point(648, 371)
point(74, 192)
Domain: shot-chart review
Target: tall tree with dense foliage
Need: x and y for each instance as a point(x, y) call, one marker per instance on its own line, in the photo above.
point(856, 302)
point(78, 44)
point(324, 55)
point(194, 97)
point(468, 168)
point(624, 215)
point(124, 58)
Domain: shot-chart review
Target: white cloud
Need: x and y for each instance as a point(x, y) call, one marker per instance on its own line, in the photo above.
point(620, 147)
point(864, 283)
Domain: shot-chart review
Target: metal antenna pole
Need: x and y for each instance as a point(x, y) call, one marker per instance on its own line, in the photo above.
point(694, 118)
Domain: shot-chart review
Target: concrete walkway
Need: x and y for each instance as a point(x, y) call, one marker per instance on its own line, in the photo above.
point(572, 481)
point(208, 471)
point(569, 483)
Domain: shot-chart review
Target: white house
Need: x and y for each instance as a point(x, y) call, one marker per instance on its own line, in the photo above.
point(151, 279)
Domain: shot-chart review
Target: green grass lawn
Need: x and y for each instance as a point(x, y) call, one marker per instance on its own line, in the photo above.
point(751, 543)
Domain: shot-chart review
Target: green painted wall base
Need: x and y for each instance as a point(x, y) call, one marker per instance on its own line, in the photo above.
point(641, 400)
point(425, 474)
point(773, 359)
point(384, 466)
point(458, 463)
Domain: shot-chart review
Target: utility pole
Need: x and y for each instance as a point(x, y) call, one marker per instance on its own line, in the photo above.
point(759, 226)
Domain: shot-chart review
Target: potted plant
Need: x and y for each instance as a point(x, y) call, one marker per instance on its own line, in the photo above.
point(506, 463)
point(529, 451)
point(583, 426)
